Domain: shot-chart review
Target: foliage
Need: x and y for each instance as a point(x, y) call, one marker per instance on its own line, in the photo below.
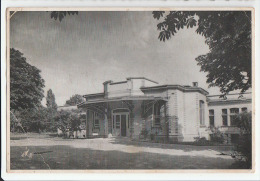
point(228, 35)
point(74, 100)
point(217, 136)
point(50, 100)
point(244, 145)
point(26, 83)
point(67, 121)
point(61, 14)
point(144, 133)
point(30, 120)
point(52, 110)
point(202, 141)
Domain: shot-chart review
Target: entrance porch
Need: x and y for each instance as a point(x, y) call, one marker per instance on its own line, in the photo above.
point(125, 117)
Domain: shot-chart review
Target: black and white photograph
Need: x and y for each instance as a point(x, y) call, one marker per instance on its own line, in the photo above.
point(130, 89)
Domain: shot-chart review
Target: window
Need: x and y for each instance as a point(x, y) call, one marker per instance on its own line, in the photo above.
point(224, 117)
point(113, 121)
point(96, 123)
point(120, 110)
point(157, 119)
point(211, 117)
point(95, 120)
point(202, 112)
point(244, 109)
point(233, 115)
point(128, 121)
point(117, 121)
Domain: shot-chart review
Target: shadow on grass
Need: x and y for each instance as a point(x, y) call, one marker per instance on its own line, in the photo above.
point(66, 157)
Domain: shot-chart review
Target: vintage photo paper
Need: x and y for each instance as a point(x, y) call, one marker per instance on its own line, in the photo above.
point(130, 90)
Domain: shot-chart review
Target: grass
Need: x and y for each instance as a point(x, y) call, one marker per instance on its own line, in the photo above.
point(57, 153)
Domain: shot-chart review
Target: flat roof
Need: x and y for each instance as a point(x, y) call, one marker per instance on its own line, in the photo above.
point(179, 87)
point(129, 78)
point(129, 98)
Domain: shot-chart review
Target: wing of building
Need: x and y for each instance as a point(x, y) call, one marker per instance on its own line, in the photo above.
point(139, 106)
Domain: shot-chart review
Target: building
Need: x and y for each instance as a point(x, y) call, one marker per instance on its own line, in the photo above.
point(139, 107)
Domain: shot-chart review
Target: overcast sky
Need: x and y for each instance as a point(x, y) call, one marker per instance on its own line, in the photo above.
point(78, 54)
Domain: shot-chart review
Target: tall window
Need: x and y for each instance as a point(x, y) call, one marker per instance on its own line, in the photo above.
point(96, 120)
point(233, 114)
point(224, 117)
point(117, 121)
point(202, 112)
point(157, 115)
point(211, 117)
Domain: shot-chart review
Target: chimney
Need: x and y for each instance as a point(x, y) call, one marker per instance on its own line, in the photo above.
point(195, 84)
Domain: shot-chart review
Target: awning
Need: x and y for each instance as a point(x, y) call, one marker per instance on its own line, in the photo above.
point(100, 105)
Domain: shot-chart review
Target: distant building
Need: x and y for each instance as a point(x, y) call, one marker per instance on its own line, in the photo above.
point(165, 112)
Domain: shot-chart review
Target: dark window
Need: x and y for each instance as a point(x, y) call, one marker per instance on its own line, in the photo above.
point(224, 117)
point(233, 114)
point(95, 120)
point(157, 116)
point(96, 123)
point(202, 112)
point(113, 121)
point(211, 117)
point(117, 121)
point(244, 109)
point(128, 121)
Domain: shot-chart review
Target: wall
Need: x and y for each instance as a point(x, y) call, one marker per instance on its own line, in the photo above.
point(228, 106)
point(185, 119)
point(118, 90)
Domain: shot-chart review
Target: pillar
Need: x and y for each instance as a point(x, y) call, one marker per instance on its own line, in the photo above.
point(166, 121)
point(105, 124)
point(87, 126)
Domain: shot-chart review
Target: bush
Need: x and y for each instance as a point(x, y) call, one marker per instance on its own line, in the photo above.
point(144, 133)
point(243, 149)
point(67, 121)
point(216, 136)
point(202, 141)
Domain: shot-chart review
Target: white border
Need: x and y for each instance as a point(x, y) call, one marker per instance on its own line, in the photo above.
point(126, 176)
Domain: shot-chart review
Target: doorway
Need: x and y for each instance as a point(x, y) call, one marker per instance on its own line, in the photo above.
point(120, 122)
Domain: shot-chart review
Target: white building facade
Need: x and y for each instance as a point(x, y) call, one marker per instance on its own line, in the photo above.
point(140, 108)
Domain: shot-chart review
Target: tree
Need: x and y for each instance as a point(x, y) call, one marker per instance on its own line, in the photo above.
point(67, 121)
point(61, 14)
point(228, 35)
point(74, 100)
point(52, 110)
point(26, 83)
point(50, 100)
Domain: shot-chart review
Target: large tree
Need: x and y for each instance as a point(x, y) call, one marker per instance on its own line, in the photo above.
point(26, 83)
point(228, 35)
point(74, 100)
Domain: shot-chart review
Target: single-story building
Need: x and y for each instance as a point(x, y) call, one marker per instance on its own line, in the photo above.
point(139, 106)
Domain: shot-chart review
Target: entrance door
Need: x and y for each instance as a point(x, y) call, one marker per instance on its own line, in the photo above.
point(123, 125)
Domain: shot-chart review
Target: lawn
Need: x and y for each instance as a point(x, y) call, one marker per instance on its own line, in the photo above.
point(47, 152)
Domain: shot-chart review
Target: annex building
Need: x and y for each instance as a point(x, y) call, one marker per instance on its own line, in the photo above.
point(139, 107)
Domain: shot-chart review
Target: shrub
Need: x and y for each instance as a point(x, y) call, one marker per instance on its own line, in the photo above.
point(202, 141)
point(144, 133)
point(243, 149)
point(216, 136)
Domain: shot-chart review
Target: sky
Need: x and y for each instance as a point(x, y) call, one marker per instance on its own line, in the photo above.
point(82, 51)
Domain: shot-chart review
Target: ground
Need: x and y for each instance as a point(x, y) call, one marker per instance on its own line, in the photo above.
point(42, 151)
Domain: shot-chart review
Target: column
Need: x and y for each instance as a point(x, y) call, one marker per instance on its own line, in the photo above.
point(105, 124)
point(166, 121)
point(87, 127)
